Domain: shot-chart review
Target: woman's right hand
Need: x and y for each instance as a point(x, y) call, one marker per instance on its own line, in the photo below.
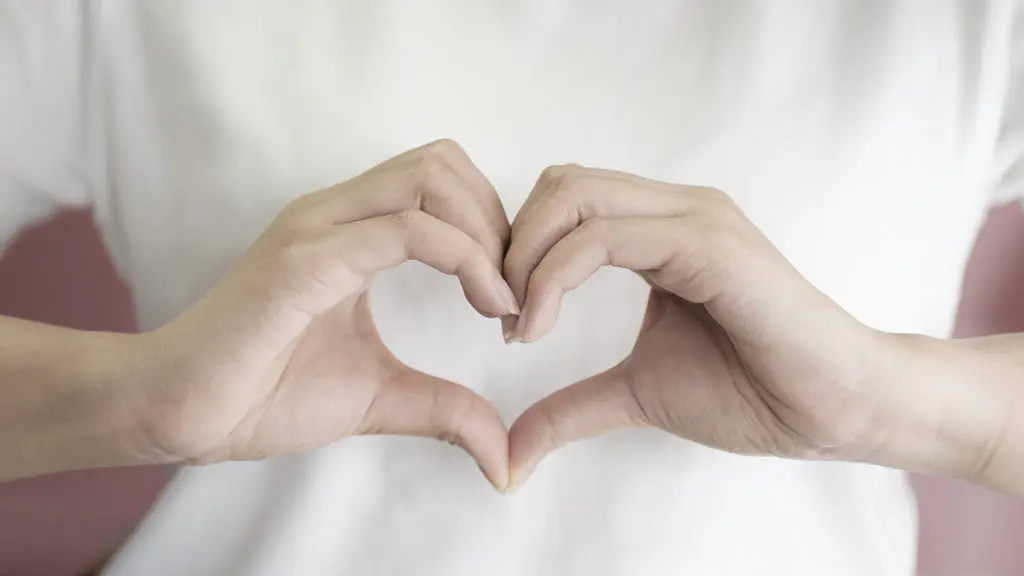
point(282, 355)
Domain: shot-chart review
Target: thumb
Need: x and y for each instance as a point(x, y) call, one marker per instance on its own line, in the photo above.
point(417, 404)
point(588, 408)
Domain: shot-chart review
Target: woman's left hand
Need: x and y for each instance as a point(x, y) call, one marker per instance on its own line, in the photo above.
point(737, 350)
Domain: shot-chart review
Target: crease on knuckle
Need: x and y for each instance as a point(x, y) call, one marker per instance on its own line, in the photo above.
point(430, 170)
point(718, 202)
point(313, 274)
point(565, 196)
point(452, 411)
point(293, 221)
point(444, 147)
point(556, 177)
point(405, 220)
point(593, 228)
point(553, 427)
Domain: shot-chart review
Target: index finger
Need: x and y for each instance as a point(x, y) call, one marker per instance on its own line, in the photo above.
point(574, 195)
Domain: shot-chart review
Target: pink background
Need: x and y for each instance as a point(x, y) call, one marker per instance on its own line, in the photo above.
point(68, 524)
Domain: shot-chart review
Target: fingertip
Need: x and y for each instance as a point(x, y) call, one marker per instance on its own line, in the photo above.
point(489, 448)
point(493, 466)
point(517, 477)
point(500, 482)
point(508, 329)
point(519, 331)
point(490, 298)
point(537, 318)
point(529, 442)
point(418, 404)
point(508, 299)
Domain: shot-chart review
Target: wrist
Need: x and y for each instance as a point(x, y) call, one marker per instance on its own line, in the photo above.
point(100, 383)
point(126, 372)
point(940, 408)
point(69, 400)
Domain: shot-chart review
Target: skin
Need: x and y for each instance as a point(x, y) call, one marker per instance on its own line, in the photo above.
point(737, 350)
point(282, 354)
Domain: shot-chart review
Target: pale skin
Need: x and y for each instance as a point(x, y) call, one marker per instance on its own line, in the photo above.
point(737, 350)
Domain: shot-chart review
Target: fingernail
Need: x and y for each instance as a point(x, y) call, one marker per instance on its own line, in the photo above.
point(515, 481)
point(509, 300)
point(508, 327)
point(520, 330)
point(500, 489)
point(511, 487)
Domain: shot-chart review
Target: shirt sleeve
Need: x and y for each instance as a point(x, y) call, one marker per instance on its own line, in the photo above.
point(41, 107)
point(1009, 150)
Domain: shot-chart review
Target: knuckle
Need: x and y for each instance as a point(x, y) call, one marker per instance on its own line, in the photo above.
point(296, 213)
point(553, 423)
point(435, 158)
point(444, 148)
point(557, 177)
point(286, 232)
point(710, 192)
point(431, 161)
point(287, 229)
point(296, 257)
point(301, 254)
point(453, 409)
point(594, 227)
point(564, 192)
point(406, 219)
point(313, 269)
point(717, 200)
point(430, 173)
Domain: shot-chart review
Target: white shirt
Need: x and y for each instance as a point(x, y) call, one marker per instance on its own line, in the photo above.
point(865, 137)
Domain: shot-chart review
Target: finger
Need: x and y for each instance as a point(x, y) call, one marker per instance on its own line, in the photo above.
point(639, 244)
point(416, 404)
point(558, 174)
point(589, 408)
point(508, 328)
point(485, 193)
point(573, 195)
point(369, 246)
point(546, 179)
point(437, 178)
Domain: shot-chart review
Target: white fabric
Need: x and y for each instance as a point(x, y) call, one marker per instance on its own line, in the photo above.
point(41, 51)
point(865, 137)
point(1009, 165)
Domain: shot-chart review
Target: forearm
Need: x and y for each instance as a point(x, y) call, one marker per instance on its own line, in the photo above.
point(961, 407)
point(65, 400)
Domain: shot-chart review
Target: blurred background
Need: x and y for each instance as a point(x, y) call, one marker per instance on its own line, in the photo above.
point(68, 524)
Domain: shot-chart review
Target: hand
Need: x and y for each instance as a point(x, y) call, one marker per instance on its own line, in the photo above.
point(282, 354)
point(737, 351)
